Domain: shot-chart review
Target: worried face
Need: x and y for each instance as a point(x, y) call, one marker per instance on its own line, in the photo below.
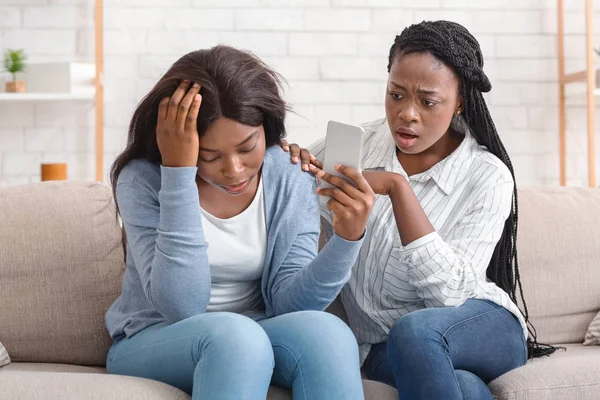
point(422, 96)
point(231, 155)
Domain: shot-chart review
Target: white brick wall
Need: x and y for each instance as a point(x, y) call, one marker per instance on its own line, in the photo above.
point(333, 54)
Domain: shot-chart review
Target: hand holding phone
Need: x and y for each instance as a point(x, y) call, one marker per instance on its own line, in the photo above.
point(343, 145)
point(347, 193)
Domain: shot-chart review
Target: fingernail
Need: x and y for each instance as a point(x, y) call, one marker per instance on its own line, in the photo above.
point(338, 166)
point(196, 85)
point(294, 159)
point(305, 167)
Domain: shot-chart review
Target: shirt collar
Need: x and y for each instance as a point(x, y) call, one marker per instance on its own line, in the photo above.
point(446, 173)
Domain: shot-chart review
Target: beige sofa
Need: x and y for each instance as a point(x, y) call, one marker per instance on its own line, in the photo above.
point(61, 263)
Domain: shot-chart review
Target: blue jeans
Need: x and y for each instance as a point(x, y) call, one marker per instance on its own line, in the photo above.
point(230, 356)
point(449, 352)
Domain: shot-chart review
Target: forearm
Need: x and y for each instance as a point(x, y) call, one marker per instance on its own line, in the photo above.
point(181, 274)
point(315, 285)
point(166, 241)
point(411, 220)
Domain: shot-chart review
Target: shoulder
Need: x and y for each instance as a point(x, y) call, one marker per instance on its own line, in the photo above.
point(377, 136)
point(279, 161)
point(373, 127)
point(490, 180)
point(139, 175)
point(489, 170)
point(289, 178)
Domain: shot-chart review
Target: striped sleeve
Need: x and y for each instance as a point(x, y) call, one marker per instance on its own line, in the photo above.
point(317, 149)
point(446, 271)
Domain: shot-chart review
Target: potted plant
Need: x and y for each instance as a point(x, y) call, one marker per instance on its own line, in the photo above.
point(14, 61)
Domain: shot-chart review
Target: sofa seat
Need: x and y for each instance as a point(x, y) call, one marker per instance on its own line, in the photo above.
point(34, 381)
point(570, 374)
point(39, 381)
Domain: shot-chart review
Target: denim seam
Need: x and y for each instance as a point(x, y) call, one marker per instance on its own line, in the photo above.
point(199, 364)
point(297, 366)
point(119, 355)
point(499, 309)
point(453, 326)
point(467, 320)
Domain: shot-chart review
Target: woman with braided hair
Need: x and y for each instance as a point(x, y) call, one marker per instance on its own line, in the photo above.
point(433, 295)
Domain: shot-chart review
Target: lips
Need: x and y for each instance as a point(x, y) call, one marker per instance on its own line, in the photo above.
point(406, 132)
point(406, 137)
point(236, 188)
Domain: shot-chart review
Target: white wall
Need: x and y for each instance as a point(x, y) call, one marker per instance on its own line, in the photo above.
point(332, 52)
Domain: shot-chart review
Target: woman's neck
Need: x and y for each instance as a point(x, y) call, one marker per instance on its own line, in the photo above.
point(415, 164)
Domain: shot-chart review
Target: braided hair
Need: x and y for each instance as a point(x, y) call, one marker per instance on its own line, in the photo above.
point(452, 44)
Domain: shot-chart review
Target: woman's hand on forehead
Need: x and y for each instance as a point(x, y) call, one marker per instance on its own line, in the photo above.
point(176, 129)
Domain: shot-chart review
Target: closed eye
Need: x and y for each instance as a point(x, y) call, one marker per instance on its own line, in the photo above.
point(249, 150)
point(396, 96)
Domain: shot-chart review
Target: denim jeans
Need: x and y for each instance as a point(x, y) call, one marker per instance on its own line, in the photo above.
point(223, 355)
point(449, 352)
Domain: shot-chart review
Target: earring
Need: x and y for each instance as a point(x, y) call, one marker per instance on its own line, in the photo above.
point(458, 112)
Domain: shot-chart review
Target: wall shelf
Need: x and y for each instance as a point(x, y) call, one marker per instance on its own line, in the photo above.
point(92, 91)
point(6, 97)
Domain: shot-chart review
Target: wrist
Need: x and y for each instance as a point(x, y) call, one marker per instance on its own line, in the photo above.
point(177, 164)
point(397, 186)
point(352, 237)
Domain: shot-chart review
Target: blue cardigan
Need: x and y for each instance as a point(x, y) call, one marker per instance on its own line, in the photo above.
point(168, 278)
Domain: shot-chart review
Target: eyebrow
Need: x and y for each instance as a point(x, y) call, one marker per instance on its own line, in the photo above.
point(250, 137)
point(422, 91)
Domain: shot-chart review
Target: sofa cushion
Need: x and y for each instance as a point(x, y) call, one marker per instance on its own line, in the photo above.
point(559, 259)
point(373, 390)
point(61, 266)
point(570, 374)
point(36, 385)
point(44, 367)
point(4, 358)
point(592, 337)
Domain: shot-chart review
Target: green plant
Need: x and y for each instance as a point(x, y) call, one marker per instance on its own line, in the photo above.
point(14, 61)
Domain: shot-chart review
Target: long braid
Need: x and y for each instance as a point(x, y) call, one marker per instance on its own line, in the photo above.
point(452, 44)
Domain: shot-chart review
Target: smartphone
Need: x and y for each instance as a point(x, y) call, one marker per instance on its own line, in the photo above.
point(343, 145)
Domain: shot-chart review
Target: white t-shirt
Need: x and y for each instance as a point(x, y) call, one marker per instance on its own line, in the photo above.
point(236, 254)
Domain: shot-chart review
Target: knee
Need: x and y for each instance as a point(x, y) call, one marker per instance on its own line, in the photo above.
point(471, 386)
point(326, 333)
point(412, 331)
point(236, 337)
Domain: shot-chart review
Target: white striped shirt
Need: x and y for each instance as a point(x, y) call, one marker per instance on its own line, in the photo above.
point(467, 197)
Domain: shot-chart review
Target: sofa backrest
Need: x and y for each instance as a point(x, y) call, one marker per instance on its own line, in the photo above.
point(61, 266)
point(559, 256)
